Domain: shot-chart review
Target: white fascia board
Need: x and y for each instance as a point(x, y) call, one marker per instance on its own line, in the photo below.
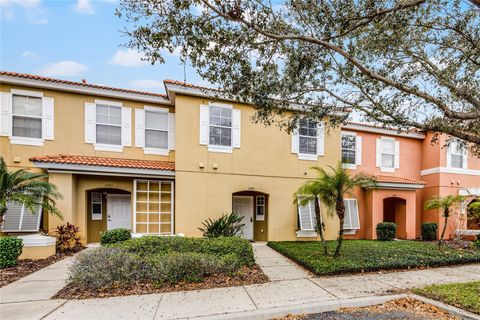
point(399, 186)
point(470, 172)
point(84, 90)
point(390, 132)
point(102, 170)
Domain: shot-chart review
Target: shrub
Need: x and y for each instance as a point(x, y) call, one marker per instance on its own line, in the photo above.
point(239, 247)
point(386, 231)
point(68, 238)
point(114, 236)
point(228, 225)
point(429, 231)
point(10, 250)
point(477, 243)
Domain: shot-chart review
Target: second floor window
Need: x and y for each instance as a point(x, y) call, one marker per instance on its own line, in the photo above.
point(348, 148)
point(26, 116)
point(388, 153)
point(156, 129)
point(307, 137)
point(109, 124)
point(457, 155)
point(220, 131)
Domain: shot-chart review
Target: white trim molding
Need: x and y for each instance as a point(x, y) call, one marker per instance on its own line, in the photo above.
point(108, 147)
point(308, 156)
point(399, 186)
point(26, 141)
point(306, 234)
point(390, 132)
point(470, 172)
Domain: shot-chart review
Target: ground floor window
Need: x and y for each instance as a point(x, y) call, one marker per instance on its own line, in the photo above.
point(153, 209)
point(352, 220)
point(306, 216)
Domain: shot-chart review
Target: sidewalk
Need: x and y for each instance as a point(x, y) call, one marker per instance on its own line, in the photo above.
point(292, 289)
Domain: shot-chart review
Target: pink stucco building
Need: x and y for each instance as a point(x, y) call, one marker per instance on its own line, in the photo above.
point(410, 169)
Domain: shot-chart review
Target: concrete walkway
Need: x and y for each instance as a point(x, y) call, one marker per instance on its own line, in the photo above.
point(291, 290)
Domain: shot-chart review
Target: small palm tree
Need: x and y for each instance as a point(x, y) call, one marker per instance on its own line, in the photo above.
point(330, 188)
point(446, 204)
point(31, 189)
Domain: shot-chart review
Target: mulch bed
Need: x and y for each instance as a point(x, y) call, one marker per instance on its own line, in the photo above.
point(404, 309)
point(26, 267)
point(245, 276)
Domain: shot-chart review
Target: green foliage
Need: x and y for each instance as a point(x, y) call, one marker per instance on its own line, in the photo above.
point(447, 204)
point(68, 238)
point(477, 243)
point(31, 189)
point(386, 231)
point(159, 260)
point(228, 225)
point(429, 231)
point(114, 236)
point(462, 295)
point(316, 53)
point(10, 250)
point(369, 255)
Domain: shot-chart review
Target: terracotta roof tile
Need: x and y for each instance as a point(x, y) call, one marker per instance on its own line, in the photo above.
point(378, 126)
point(107, 162)
point(390, 179)
point(185, 84)
point(81, 84)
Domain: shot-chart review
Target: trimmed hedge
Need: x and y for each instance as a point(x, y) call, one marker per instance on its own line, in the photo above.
point(10, 250)
point(429, 231)
point(386, 231)
point(114, 236)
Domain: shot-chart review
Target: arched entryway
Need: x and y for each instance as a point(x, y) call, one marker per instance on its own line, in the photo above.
point(473, 216)
point(253, 206)
point(395, 210)
point(107, 209)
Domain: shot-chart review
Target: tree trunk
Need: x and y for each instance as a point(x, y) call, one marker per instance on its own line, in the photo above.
point(340, 208)
point(446, 213)
point(318, 218)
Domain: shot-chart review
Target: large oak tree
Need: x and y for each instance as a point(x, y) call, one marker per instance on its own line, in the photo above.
point(405, 63)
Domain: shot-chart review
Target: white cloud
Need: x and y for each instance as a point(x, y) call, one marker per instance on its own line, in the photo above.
point(64, 68)
point(84, 7)
point(33, 9)
point(128, 58)
point(147, 84)
point(28, 54)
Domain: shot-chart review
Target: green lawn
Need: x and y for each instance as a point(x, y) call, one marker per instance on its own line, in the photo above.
point(370, 255)
point(462, 295)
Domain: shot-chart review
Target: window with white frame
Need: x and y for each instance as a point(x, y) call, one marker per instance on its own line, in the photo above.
point(457, 155)
point(306, 216)
point(156, 129)
point(260, 208)
point(220, 122)
point(307, 132)
point(348, 148)
point(352, 220)
point(19, 218)
point(97, 206)
point(26, 116)
point(108, 124)
point(388, 154)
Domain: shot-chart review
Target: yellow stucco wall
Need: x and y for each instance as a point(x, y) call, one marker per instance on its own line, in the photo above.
point(263, 162)
point(39, 252)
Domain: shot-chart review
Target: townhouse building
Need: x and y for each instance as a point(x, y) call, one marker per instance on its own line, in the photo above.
point(163, 163)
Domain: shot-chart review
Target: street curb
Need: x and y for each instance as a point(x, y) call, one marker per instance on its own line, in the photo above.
point(316, 307)
point(450, 309)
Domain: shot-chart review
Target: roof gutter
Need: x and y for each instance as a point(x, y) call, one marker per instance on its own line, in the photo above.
point(390, 132)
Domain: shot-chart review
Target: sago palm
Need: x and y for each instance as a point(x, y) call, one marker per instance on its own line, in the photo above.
point(31, 189)
point(446, 204)
point(331, 187)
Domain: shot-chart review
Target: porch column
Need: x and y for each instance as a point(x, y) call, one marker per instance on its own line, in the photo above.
point(411, 216)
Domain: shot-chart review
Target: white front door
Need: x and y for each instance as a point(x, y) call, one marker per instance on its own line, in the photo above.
point(119, 214)
point(243, 206)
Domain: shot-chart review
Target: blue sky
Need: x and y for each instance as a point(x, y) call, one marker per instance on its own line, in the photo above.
point(78, 39)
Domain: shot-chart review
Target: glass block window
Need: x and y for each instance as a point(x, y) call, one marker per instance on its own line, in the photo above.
point(153, 207)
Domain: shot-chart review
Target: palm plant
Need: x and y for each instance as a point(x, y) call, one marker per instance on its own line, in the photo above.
point(31, 189)
point(330, 188)
point(446, 204)
point(228, 225)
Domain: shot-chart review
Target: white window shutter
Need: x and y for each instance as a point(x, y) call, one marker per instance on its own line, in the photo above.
point(236, 128)
point(204, 124)
point(358, 150)
point(140, 128)
point(171, 131)
point(465, 159)
point(126, 126)
point(5, 113)
point(379, 153)
point(397, 154)
point(321, 139)
point(90, 123)
point(48, 122)
point(295, 141)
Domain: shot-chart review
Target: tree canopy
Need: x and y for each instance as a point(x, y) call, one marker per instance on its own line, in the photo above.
point(402, 64)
